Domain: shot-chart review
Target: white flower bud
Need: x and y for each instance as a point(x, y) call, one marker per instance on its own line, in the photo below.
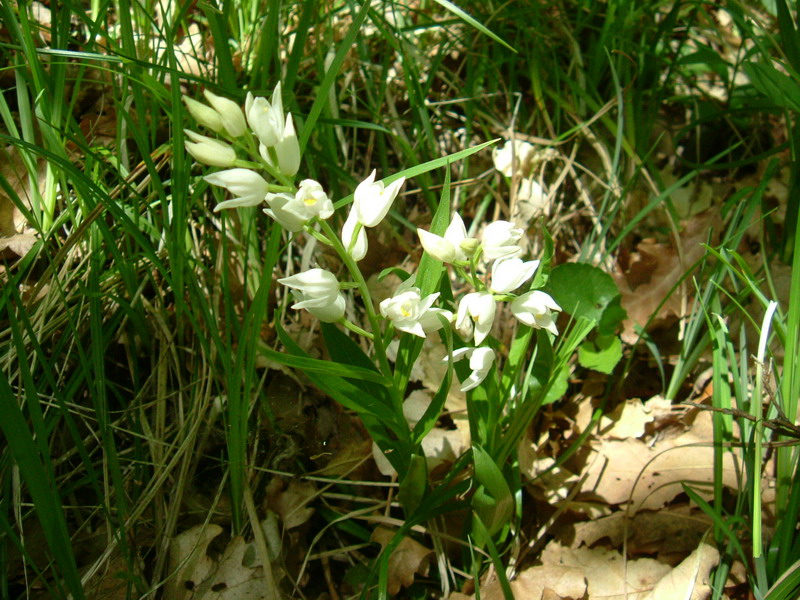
point(230, 113)
point(209, 151)
point(203, 114)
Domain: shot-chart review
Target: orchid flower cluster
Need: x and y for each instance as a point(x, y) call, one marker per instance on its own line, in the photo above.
point(267, 134)
point(499, 246)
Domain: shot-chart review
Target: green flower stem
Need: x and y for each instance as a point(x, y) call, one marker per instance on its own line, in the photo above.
point(372, 316)
point(473, 263)
point(356, 329)
point(319, 236)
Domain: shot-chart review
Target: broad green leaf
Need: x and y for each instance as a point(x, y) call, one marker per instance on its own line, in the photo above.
point(413, 484)
point(344, 392)
point(495, 505)
point(601, 354)
point(582, 290)
point(345, 352)
point(307, 364)
point(401, 273)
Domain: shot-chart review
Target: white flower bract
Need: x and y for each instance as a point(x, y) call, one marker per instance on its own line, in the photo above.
point(314, 199)
point(357, 248)
point(266, 118)
point(282, 209)
point(204, 114)
point(230, 114)
point(288, 149)
point(329, 313)
point(513, 156)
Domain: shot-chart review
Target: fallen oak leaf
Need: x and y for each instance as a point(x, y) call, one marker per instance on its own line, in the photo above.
point(407, 559)
point(690, 579)
point(647, 477)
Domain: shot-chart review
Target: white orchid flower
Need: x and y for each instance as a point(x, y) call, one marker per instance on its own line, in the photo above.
point(357, 249)
point(536, 309)
point(480, 361)
point(283, 208)
point(329, 313)
point(500, 240)
point(510, 273)
point(408, 311)
point(317, 288)
point(476, 315)
point(372, 199)
point(248, 186)
point(513, 156)
point(230, 114)
point(314, 199)
point(209, 151)
point(204, 114)
point(266, 119)
point(449, 248)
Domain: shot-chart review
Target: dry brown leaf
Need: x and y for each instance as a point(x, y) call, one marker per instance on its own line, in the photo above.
point(689, 580)
point(563, 581)
point(627, 420)
point(18, 243)
point(291, 503)
point(189, 560)
point(13, 169)
point(649, 476)
point(408, 558)
point(232, 580)
point(654, 269)
point(197, 576)
point(543, 582)
point(666, 532)
point(606, 572)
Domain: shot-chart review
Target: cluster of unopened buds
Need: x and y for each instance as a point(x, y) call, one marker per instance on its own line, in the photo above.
point(264, 131)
